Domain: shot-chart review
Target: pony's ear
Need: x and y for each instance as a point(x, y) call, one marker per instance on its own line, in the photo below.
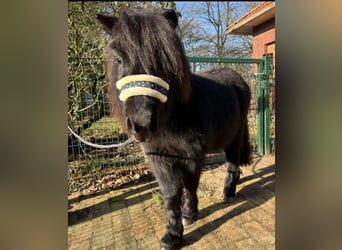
point(171, 16)
point(107, 22)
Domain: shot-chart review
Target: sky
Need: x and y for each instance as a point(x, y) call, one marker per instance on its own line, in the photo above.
point(186, 5)
point(185, 8)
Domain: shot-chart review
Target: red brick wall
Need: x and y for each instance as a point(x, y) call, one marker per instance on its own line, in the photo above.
point(263, 34)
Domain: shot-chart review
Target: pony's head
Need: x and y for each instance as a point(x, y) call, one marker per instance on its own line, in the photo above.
point(147, 69)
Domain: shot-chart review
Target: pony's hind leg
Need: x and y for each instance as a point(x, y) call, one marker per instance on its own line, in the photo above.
point(237, 154)
point(233, 170)
point(190, 207)
point(230, 182)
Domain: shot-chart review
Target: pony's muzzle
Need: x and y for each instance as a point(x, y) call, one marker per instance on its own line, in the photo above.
point(138, 131)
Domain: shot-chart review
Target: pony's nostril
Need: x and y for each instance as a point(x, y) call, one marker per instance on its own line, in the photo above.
point(135, 128)
point(129, 124)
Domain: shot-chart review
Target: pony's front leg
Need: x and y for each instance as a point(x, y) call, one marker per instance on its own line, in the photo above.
point(169, 178)
point(190, 207)
point(174, 227)
point(230, 182)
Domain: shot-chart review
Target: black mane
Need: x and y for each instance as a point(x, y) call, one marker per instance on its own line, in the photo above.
point(146, 39)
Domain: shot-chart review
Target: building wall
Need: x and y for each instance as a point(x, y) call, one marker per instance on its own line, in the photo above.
point(263, 34)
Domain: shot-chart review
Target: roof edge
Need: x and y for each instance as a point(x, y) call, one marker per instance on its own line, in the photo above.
point(249, 17)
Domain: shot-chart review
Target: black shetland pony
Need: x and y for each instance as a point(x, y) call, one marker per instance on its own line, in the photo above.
point(176, 116)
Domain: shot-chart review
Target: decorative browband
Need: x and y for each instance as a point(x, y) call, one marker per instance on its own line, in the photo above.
point(148, 85)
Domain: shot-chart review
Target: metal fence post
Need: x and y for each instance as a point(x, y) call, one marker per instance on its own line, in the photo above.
point(260, 96)
point(266, 90)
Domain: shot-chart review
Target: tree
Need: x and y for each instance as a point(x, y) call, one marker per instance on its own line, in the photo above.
point(203, 28)
point(86, 81)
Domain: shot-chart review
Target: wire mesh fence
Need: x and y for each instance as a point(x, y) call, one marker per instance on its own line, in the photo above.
point(92, 169)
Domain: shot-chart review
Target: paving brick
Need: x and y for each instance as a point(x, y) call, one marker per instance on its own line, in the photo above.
point(249, 244)
point(234, 232)
point(129, 219)
point(265, 219)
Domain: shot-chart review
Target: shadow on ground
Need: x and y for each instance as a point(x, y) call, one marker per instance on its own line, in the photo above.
point(250, 196)
point(107, 206)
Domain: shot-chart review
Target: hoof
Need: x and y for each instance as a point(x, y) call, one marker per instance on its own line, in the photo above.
point(228, 199)
point(170, 242)
point(187, 221)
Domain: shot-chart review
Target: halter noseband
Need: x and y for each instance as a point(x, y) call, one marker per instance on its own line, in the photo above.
point(148, 85)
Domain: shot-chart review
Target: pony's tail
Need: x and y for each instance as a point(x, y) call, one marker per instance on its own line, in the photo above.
point(245, 150)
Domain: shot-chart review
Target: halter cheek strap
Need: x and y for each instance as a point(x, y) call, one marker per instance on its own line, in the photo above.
point(148, 85)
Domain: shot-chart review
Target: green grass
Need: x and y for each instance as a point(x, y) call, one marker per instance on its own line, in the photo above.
point(157, 198)
point(106, 127)
point(89, 166)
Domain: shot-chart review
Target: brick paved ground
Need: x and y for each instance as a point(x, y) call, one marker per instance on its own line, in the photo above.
point(130, 219)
